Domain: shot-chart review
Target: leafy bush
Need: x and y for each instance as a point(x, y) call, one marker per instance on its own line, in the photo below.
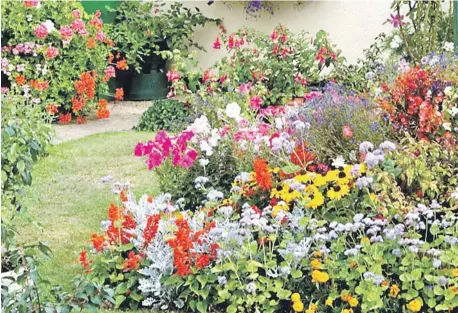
point(164, 114)
point(53, 56)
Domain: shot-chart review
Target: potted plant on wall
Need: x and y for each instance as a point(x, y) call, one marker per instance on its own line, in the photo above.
point(141, 31)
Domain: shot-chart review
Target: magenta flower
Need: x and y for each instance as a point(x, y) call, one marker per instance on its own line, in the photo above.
point(274, 35)
point(173, 76)
point(217, 44)
point(396, 20)
point(255, 103)
point(138, 150)
point(78, 26)
point(155, 159)
point(264, 128)
point(66, 32)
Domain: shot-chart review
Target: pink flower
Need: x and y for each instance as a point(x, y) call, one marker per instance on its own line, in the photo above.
point(243, 123)
point(76, 14)
point(187, 160)
point(32, 3)
point(110, 71)
point(274, 35)
point(222, 79)
point(264, 128)
point(283, 37)
point(40, 31)
point(244, 88)
point(98, 13)
point(217, 44)
point(138, 150)
point(347, 132)
point(230, 42)
point(52, 52)
point(173, 76)
point(164, 141)
point(255, 103)
point(154, 159)
point(224, 131)
point(66, 32)
point(100, 36)
point(78, 26)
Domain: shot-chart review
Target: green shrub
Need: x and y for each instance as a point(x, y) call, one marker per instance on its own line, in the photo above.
point(164, 114)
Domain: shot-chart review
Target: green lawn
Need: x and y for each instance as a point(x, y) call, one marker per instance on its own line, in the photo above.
point(68, 200)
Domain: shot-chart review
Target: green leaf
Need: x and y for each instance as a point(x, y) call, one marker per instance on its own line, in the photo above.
point(119, 300)
point(202, 306)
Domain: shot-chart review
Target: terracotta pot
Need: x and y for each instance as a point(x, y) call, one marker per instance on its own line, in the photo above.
point(296, 102)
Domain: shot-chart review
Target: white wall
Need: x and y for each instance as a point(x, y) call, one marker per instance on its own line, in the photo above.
point(352, 24)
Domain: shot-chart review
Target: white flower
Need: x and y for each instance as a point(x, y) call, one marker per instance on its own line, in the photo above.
point(455, 194)
point(338, 162)
point(49, 25)
point(454, 111)
point(200, 126)
point(203, 162)
point(279, 123)
point(204, 146)
point(449, 46)
point(447, 126)
point(233, 110)
point(448, 91)
point(395, 42)
point(29, 18)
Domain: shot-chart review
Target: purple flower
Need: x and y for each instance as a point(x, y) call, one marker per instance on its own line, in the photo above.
point(396, 20)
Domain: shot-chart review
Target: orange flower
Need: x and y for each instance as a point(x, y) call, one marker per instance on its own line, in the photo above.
point(91, 43)
point(65, 118)
point(102, 113)
point(119, 95)
point(103, 103)
point(78, 104)
point(20, 80)
point(263, 177)
point(84, 261)
point(132, 262)
point(98, 241)
point(121, 64)
point(52, 108)
point(81, 119)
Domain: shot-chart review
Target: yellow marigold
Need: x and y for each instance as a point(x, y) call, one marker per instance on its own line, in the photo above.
point(309, 311)
point(414, 305)
point(394, 291)
point(313, 306)
point(347, 311)
point(353, 302)
point(319, 277)
point(298, 306)
point(454, 289)
point(329, 302)
point(295, 297)
point(384, 283)
point(316, 264)
point(317, 254)
point(455, 272)
point(365, 240)
point(346, 296)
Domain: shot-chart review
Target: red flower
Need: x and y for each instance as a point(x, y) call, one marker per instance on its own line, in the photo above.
point(118, 231)
point(65, 118)
point(150, 231)
point(302, 157)
point(20, 80)
point(84, 261)
point(121, 65)
point(52, 108)
point(81, 119)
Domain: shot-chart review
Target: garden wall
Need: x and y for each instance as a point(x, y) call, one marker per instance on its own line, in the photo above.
point(352, 25)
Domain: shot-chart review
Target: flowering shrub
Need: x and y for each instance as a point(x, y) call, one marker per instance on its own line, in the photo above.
point(417, 103)
point(259, 66)
point(55, 58)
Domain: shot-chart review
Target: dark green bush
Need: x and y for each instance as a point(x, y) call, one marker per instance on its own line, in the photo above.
point(165, 114)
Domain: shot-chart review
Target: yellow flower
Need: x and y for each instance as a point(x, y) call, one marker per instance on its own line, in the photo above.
point(276, 170)
point(316, 201)
point(319, 180)
point(353, 302)
point(373, 197)
point(329, 302)
point(414, 305)
point(345, 296)
point(275, 193)
point(332, 176)
point(317, 254)
point(394, 291)
point(337, 192)
point(295, 297)
point(455, 272)
point(384, 283)
point(319, 277)
point(316, 264)
point(304, 178)
point(313, 306)
point(454, 289)
point(347, 311)
point(365, 240)
point(298, 306)
point(309, 311)
point(362, 168)
point(343, 176)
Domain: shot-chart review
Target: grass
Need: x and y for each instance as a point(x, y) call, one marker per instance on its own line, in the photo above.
point(68, 200)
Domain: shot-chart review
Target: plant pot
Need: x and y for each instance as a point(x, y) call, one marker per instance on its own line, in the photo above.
point(154, 62)
point(92, 6)
point(296, 102)
point(150, 86)
point(122, 80)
